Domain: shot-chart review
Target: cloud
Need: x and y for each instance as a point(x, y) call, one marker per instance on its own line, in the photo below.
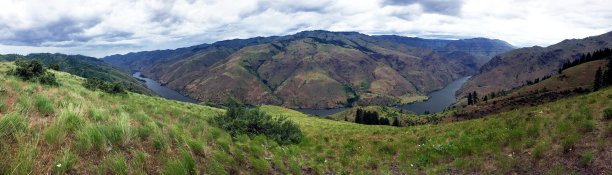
point(104, 27)
point(447, 7)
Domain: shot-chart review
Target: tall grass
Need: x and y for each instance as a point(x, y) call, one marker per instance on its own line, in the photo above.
point(12, 125)
point(44, 106)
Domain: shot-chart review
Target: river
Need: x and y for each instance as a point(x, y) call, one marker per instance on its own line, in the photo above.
point(162, 90)
point(438, 100)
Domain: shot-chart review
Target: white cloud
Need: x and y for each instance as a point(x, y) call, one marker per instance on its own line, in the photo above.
point(104, 27)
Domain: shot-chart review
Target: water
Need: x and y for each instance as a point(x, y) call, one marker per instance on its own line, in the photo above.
point(164, 91)
point(438, 100)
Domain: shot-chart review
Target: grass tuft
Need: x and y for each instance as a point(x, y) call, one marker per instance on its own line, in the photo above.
point(44, 106)
point(11, 125)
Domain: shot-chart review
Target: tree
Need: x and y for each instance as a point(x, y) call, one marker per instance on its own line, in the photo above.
point(607, 76)
point(55, 67)
point(475, 98)
point(470, 100)
point(359, 116)
point(395, 121)
point(597, 84)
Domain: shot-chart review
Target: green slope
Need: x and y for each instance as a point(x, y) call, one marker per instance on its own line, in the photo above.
point(84, 66)
point(88, 132)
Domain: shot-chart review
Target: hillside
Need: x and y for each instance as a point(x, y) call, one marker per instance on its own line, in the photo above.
point(291, 70)
point(514, 68)
point(84, 66)
point(570, 82)
point(70, 129)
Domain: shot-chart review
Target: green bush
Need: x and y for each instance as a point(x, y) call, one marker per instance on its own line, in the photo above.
point(28, 70)
point(240, 120)
point(48, 78)
point(608, 114)
point(34, 71)
point(97, 84)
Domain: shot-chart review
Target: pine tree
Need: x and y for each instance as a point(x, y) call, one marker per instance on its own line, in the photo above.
point(395, 121)
point(607, 77)
point(359, 116)
point(475, 98)
point(470, 100)
point(598, 80)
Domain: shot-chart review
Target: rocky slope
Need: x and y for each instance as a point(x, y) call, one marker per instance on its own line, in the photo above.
point(313, 69)
point(514, 68)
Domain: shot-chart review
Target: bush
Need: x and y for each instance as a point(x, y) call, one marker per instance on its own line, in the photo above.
point(608, 114)
point(34, 71)
point(239, 120)
point(54, 67)
point(97, 84)
point(48, 79)
point(28, 70)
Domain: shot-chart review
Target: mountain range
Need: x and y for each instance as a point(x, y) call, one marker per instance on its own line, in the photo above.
point(314, 69)
point(514, 68)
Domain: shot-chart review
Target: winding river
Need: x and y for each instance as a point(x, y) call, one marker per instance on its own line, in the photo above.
point(162, 90)
point(437, 102)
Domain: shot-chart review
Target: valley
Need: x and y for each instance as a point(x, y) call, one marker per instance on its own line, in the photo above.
point(275, 87)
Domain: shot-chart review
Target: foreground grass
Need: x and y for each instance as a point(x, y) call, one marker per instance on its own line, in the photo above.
point(69, 129)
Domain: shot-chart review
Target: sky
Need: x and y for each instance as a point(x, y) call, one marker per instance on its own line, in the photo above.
point(104, 27)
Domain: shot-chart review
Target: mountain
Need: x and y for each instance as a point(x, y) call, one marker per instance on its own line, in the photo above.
point(514, 68)
point(482, 48)
point(312, 69)
point(84, 66)
point(69, 129)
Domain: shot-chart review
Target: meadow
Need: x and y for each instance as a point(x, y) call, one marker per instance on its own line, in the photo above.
point(68, 129)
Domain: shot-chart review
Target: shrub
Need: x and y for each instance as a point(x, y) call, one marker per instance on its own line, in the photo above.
point(34, 70)
point(54, 67)
point(97, 84)
point(28, 70)
point(608, 114)
point(240, 120)
point(48, 79)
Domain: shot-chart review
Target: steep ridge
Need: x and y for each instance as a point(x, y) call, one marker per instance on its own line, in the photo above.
point(311, 69)
point(514, 68)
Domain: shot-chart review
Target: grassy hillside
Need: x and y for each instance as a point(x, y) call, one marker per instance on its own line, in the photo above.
point(573, 81)
point(526, 64)
point(70, 129)
point(84, 66)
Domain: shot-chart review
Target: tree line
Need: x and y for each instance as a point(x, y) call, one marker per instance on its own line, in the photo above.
point(603, 78)
point(372, 118)
point(597, 55)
